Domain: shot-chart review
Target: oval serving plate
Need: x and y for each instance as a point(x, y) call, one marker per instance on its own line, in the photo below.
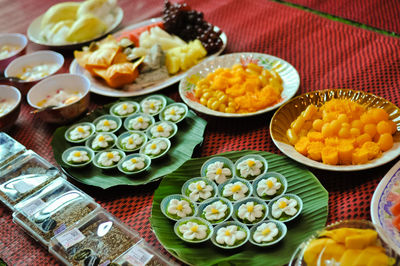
point(34, 32)
point(289, 75)
point(386, 194)
point(282, 118)
point(101, 88)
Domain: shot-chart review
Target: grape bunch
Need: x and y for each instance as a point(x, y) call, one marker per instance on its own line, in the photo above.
point(188, 24)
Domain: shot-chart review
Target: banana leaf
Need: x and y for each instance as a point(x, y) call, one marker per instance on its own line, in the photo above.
point(300, 182)
point(190, 133)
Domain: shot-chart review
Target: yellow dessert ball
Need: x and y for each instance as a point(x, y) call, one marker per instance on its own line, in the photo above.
point(385, 142)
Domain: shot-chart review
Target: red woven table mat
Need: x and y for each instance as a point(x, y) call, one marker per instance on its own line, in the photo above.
point(379, 14)
point(327, 54)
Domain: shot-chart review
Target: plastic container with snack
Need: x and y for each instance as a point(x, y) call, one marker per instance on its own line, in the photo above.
point(9, 149)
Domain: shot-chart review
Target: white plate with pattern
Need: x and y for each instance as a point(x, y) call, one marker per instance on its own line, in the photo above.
point(289, 75)
point(385, 196)
point(100, 87)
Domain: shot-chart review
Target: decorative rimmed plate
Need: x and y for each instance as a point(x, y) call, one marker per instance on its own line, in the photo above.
point(282, 119)
point(190, 134)
point(34, 32)
point(300, 181)
point(385, 196)
point(289, 75)
point(101, 88)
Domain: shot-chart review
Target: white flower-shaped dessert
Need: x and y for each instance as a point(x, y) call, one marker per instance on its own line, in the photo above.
point(250, 211)
point(109, 158)
point(215, 211)
point(80, 132)
point(124, 109)
point(78, 157)
point(139, 123)
point(200, 190)
point(106, 125)
point(229, 235)
point(192, 230)
point(155, 147)
point(216, 171)
point(250, 167)
point(265, 232)
point(181, 208)
point(174, 113)
point(131, 142)
point(135, 163)
point(284, 205)
point(161, 130)
point(235, 190)
point(101, 141)
point(268, 186)
point(151, 106)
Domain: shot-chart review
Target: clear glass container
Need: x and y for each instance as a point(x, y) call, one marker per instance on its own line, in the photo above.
point(52, 210)
point(98, 239)
point(24, 176)
point(9, 149)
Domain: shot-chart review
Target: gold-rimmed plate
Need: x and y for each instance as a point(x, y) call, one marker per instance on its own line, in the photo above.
point(288, 112)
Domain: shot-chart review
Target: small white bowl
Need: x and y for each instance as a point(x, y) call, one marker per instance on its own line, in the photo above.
point(240, 226)
point(114, 165)
point(227, 163)
point(108, 117)
point(185, 188)
point(49, 86)
point(197, 220)
point(280, 178)
point(172, 133)
point(281, 234)
point(129, 118)
point(156, 97)
point(221, 188)
point(250, 178)
point(65, 154)
point(237, 205)
point(135, 105)
point(181, 105)
point(151, 142)
point(15, 68)
point(165, 202)
point(68, 131)
point(127, 134)
point(15, 39)
point(299, 208)
point(8, 118)
point(147, 162)
point(206, 203)
point(89, 142)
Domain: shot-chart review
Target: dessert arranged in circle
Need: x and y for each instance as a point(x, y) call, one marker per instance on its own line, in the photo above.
point(102, 141)
point(107, 123)
point(235, 190)
point(139, 121)
point(79, 132)
point(134, 163)
point(199, 189)
point(215, 210)
point(174, 112)
point(162, 129)
point(177, 207)
point(286, 207)
point(270, 185)
point(124, 109)
point(156, 148)
point(250, 211)
point(218, 171)
point(153, 104)
point(250, 167)
point(267, 233)
point(108, 159)
point(77, 156)
point(231, 235)
point(194, 230)
point(131, 141)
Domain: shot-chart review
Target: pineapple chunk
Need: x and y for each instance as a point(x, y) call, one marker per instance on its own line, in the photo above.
point(184, 57)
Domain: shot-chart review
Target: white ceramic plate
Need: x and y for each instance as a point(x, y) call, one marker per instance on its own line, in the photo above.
point(282, 118)
point(289, 75)
point(385, 196)
point(100, 87)
point(34, 32)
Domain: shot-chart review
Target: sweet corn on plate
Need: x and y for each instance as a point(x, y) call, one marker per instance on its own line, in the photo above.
point(239, 85)
point(305, 121)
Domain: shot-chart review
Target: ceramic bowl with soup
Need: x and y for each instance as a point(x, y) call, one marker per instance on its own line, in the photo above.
point(10, 103)
point(66, 97)
point(32, 68)
point(12, 45)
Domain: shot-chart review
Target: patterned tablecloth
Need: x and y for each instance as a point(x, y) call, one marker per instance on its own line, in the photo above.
point(326, 53)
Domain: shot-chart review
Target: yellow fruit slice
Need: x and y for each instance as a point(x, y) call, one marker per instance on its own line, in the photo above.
point(59, 12)
point(85, 28)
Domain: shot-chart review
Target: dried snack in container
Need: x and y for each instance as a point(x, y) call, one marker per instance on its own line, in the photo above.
point(9, 149)
point(53, 209)
point(142, 254)
point(24, 176)
point(97, 240)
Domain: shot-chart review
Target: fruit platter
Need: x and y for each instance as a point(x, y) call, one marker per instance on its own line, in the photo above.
point(150, 55)
point(368, 136)
point(101, 150)
point(312, 215)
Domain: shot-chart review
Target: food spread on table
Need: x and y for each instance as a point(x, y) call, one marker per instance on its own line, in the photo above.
point(231, 204)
